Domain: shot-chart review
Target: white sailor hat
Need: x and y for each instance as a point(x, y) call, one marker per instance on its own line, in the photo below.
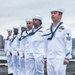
point(57, 9)
point(23, 26)
point(15, 27)
point(37, 17)
point(29, 19)
point(10, 29)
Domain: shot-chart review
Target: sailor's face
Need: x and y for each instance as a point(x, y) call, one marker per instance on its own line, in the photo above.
point(29, 24)
point(55, 16)
point(9, 33)
point(36, 22)
point(23, 29)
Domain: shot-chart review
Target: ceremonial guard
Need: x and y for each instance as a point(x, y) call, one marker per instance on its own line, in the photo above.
point(8, 51)
point(15, 50)
point(28, 47)
point(35, 51)
point(22, 51)
point(59, 44)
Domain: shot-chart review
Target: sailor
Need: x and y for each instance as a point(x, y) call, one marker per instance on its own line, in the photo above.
point(35, 51)
point(9, 52)
point(59, 44)
point(38, 45)
point(15, 50)
point(28, 48)
point(21, 51)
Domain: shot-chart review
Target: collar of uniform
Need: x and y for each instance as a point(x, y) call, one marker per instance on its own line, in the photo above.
point(55, 26)
point(24, 33)
point(29, 31)
point(37, 28)
point(15, 35)
point(10, 36)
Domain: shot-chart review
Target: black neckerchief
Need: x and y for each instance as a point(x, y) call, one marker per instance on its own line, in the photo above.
point(50, 38)
point(31, 33)
point(7, 38)
point(14, 37)
point(26, 35)
point(26, 32)
point(20, 36)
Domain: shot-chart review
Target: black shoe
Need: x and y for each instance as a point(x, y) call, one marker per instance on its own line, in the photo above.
point(10, 74)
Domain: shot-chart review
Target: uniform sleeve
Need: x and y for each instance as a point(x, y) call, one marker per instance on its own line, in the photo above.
point(68, 44)
point(45, 44)
point(5, 46)
point(18, 45)
point(45, 48)
point(46, 31)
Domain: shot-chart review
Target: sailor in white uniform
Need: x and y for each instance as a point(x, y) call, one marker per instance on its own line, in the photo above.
point(29, 69)
point(38, 45)
point(59, 44)
point(9, 52)
point(15, 51)
point(22, 51)
point(35, 51)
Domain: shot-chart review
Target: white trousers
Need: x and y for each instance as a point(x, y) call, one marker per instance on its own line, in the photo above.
point(15, 59)
point(56, 67)
point(34, 64)
point(10, 64)
point(21, 66)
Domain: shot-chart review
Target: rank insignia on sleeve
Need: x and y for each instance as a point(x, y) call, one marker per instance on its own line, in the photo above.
point(68, 34)
point(68, 37)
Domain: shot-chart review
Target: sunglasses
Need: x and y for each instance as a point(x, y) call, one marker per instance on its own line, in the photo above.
point(29, 23)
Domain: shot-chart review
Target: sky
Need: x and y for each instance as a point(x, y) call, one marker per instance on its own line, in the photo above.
point(14, 12)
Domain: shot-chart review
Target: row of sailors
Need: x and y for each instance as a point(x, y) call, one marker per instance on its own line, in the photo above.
point(23, 49)
point(26, 51)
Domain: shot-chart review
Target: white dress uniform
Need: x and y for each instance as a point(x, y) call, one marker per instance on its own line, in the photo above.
point(29, 67)
point(22, 55)
point(35, 53)
point(9, 57)
point(59, 49)
point(15, 57)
